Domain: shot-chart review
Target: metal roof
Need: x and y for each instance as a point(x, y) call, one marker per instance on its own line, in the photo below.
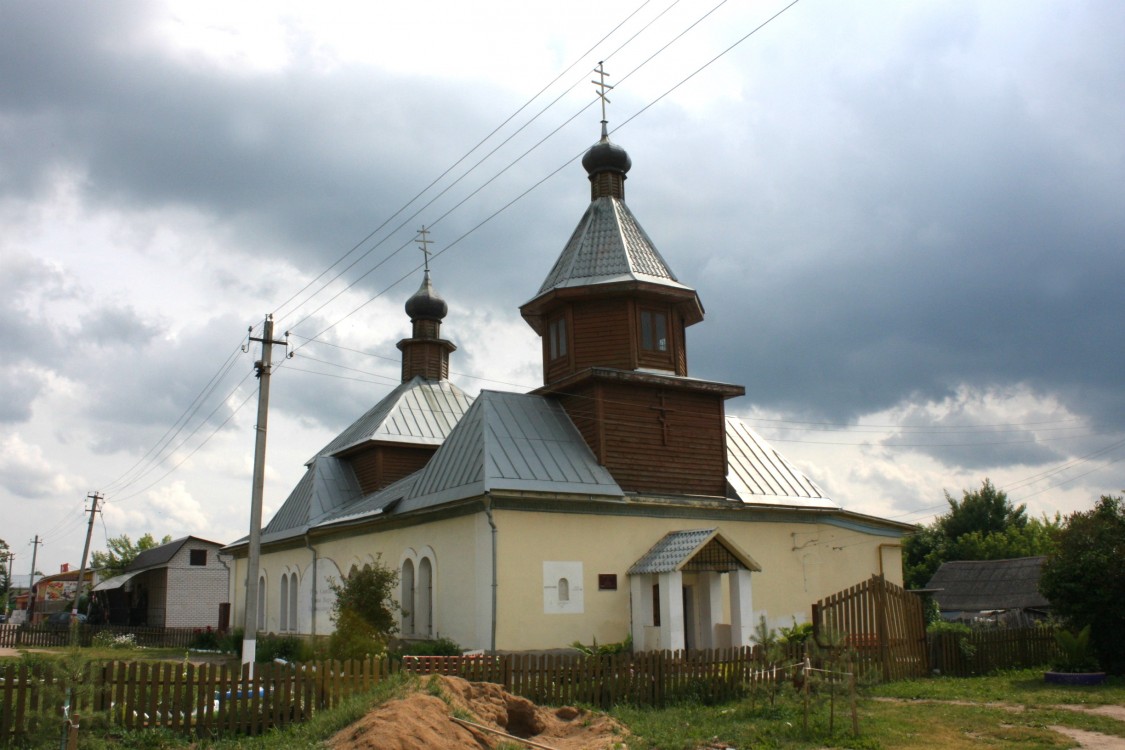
point(976, 585)
point(328, 486)
point(676, 550)
point(161, 554)
point(419, 411)
point(608, 246)
point(757, 473)
point(511, 441)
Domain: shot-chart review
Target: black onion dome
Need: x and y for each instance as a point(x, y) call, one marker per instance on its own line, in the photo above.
point(606, 156)
point(426, 304)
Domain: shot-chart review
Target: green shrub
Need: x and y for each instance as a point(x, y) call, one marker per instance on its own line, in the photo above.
point(1077, 653)
point(231, 642)
point(355, 638)
point(207, 640)
point(287, 647)
point(958, 631)
point(598, 649)
point(437, 647)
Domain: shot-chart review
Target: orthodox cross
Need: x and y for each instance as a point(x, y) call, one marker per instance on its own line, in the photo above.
point(424, 245)
point(603, 87)
point(664, 412)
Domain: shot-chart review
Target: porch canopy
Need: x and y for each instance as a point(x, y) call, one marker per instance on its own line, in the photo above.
point(680, 616)
point(117, 581)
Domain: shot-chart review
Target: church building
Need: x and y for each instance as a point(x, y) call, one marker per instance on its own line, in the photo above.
point(618, 499)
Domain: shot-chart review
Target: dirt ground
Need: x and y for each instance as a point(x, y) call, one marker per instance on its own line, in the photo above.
point(423, 721)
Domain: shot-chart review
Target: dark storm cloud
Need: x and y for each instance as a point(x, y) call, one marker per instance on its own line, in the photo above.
point(861, 232)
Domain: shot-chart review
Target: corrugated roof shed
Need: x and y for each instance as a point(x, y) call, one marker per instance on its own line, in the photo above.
point(978, 585)
point(757, 473)
point(161, 554)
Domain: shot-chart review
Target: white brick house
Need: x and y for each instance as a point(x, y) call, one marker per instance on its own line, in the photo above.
point(181, 584)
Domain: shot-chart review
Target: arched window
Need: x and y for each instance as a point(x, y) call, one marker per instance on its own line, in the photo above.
point(262, 603)
point(283, 603)
point(293, 601)
point(564, 590)
point(424, 598)
point(406, 598)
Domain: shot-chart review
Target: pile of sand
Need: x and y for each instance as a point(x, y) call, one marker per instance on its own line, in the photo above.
point(424, 721)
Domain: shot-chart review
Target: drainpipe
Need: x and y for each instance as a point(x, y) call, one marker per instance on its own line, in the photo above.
point(310, 548)
point(492, 524)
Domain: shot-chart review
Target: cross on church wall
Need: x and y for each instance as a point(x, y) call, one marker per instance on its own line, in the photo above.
point(664, 410)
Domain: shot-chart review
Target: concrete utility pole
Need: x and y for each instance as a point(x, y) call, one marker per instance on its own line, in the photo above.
point(34, 550)
point(263, 367)
point(94, 497)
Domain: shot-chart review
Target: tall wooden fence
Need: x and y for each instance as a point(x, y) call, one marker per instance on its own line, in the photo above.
point(983, 651)
point(882, 621)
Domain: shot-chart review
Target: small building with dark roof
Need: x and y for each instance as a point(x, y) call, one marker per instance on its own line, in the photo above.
point(180, 584)
point(1000, 591)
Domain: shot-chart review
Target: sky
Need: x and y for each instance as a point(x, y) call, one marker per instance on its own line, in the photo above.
point(904, 221)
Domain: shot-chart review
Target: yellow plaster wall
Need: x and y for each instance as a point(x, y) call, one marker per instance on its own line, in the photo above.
point(801, 563)
point(457, 589)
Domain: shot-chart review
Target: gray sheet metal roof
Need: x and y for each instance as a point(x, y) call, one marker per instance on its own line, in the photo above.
point(757, 473)
point(419, 411)
point(328, 486)
point(608, 246)
point(977, 585)
point(511, 441)
point(676, 549)
point(161, 554)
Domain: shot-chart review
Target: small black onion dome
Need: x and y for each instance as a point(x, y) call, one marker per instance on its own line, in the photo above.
point(605, 156)
point(426, 304)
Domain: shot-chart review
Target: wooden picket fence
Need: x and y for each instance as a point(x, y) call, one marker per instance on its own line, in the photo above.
point(655, 678)
point(42, 636)
point(983, 651)
point(201, 700)
point(882, 622)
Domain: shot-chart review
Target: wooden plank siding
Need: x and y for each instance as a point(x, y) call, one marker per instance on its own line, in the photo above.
point(377, 466)
point(622, 424)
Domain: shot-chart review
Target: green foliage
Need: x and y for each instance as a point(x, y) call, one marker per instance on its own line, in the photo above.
point(109, 639)
point(120, 552)
point(796, 634)
point(207, 639)
point(597, 649)
point(5, 582)
point(369, 595)
point(1077, 656)
point(287, 647)
point(959, 631)
point(354, 637)
point(437, 647)
point(1085, 579)
point(983, 525)
point(230, 642)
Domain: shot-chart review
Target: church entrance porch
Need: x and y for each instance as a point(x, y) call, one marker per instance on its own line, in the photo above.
point(691, 590)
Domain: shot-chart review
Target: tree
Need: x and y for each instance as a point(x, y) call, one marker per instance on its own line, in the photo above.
point(983, 525)
point(5, 581)
point(365, 612)
point(1085, 578)
point(121, 552)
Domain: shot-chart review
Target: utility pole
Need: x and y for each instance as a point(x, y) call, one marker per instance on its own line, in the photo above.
point(263, 367)
point(8, 593)
point(94, 497)
point(34, 550)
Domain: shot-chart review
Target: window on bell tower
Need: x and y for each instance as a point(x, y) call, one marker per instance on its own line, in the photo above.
point(654, 330)
point(556, 338)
